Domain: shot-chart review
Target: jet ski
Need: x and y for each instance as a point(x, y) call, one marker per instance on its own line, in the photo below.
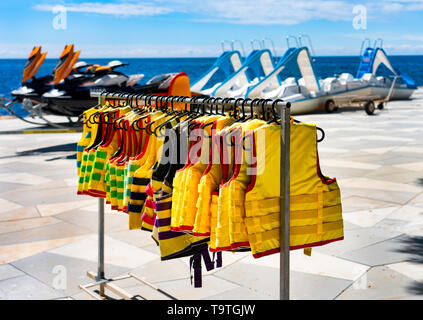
point(32, 87)
point(70, 95)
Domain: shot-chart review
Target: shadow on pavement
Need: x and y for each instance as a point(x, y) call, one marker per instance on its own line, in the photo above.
point(68, 147)
point(413, 246)
point(57, 148)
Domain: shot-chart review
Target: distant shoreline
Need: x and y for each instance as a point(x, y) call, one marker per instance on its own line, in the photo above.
point(122, 58)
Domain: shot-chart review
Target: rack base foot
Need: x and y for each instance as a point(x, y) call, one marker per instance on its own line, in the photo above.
point(109, 285)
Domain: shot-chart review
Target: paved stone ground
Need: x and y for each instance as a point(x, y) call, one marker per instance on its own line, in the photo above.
point(377, 160)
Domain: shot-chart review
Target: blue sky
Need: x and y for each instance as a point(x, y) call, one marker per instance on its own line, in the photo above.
point(195, 28)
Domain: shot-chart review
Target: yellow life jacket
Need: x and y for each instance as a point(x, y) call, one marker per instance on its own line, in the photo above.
point(194, 172)
point(210, 180)
point(230, 230)
point(85, 138)
point(315, 200)
point(237, 184)
point(178, 184)
point(97, 184)
point(226, 160)
point(88, 156)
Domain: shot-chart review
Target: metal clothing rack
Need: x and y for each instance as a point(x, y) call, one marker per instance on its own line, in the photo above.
point(284, 269)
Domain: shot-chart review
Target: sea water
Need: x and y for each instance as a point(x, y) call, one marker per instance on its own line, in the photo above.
point(11, 69)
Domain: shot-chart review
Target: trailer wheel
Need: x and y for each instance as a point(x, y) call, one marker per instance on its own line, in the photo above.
point(380, 106)
point(369, 107)
point(330, 106)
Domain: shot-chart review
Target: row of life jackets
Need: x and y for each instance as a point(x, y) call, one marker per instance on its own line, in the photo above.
point(206, 182)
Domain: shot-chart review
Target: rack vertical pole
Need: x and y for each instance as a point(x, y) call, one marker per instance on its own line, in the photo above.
point(284, 203)
point(100, 269)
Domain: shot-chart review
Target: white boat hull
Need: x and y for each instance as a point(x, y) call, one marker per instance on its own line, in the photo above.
point(318, 103)
point(397, 93)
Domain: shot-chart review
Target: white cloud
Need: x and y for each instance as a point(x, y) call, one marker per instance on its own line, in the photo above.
point(264, 12)
point(284, 12)
point(402, 5)
point(253, 12)
point(144, 50)
point(118, 9)
point(418, 37)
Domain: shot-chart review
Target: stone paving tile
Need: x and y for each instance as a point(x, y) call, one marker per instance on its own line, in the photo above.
point(368, 218)
point(355, 203)
point(416, 231)
point(264, 283)
point(382, 283)
point(46, 266)
point(378, 151)
point(144, 292)
point(136, 238)
point(356, 239)
point(10, 253)
point(20, 225)
point(417, 200)
point(6, 186)
point(7, 271)
point(49, 232)
point(82, 295)
point(400, 162)
point(401, 226)
point(114, 222)
point(26, 288)
point(23, 177)
point(212, 285)
point(409, 177)
point(373, 184)
point(325, 265)
point(19, 214)
point(20, 244)
point(228, 258)
point(7, 205)
point(239, 294)
point(385, 171)
point(116, 252)
point(409, 149)
point(138, 292)
point(318, 263)
point(351, 164)
point(329, 150)
point(21, 167)
point(413, 166)
point(390, 197)
point(71, 182)
point(315, 287)
point(38, 196)
point(399, 249)
point(411, 270)
point(159, 271)
point(56, 208)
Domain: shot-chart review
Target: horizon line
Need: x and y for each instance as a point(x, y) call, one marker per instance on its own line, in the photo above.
point(200, 57)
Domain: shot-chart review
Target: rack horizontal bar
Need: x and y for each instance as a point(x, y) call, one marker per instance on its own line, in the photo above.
point(229, 102)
